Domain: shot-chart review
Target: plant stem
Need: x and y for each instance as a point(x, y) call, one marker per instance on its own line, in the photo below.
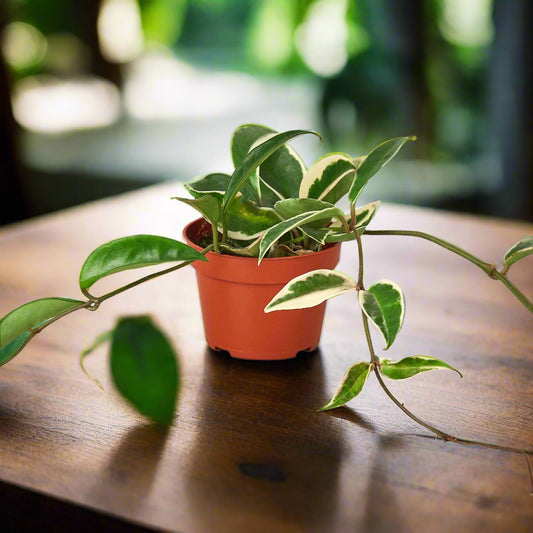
point(488, 268)
point(149, 277)
point(94, 302)
point(216, 247)
point(446, 437)
point(361, 287)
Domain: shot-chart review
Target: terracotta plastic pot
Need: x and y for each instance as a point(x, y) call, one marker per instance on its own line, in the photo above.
point(235, 290)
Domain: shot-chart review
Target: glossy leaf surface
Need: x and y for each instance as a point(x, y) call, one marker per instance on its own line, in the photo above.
point(246, 220)
point(351, 385)
point(329, 179)
point(15, 326)
point(311, 289)
point(11, 349)
point(144, 368)
point(254, 158)
point(216, 185)
point(279, 176)
point(277, 231)
point(363, 217)
point(296, 206)
point(410, 366)
point(211, 184)
point(208, 206)
point(521, 249)
point(374, 162)
point(131, 252)
point(383, 303)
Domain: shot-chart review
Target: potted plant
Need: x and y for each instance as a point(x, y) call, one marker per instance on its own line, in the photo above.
point(270, 211)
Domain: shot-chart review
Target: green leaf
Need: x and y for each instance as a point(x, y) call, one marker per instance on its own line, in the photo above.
point(296, 206)
point(15, 327)
point(383, 303)
point(318, 235)
point(521, 249)
point(350, 386)
point(279, 176)
point(135, 251)
point(254, 158)
point(363, 217)
point(373, 162)
point(208, 206)
point(410, 366)
point(215, 185)
point(14, 347)
point(311, 289)
point(144, 368)
point(275, 232)
point(246, 220)
point(210, 184)
point(329, 179)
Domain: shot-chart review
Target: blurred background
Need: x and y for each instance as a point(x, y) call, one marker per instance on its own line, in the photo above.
point(98, 97)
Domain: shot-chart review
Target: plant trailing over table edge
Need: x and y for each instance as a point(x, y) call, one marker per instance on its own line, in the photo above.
point(271, 205)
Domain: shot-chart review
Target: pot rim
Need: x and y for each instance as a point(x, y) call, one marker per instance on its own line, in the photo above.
point(227, 257)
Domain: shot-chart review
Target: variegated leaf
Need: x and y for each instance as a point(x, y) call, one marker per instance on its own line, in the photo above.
point(374, 162)
point(351, 385)
point(329, 179)
point(363, 217)
point(215, 185)
point(275, 232)
point(311, 289)
point(319, 235)
point(247, 221)
point(296, 206)
point(521, 249)
point(383, 303)
point(212, 184)
point(279, 176)
point(410, 366)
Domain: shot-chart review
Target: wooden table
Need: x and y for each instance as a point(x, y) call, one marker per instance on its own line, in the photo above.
point(248, 451)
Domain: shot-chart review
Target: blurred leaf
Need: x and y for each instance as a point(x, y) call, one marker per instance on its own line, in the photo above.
point(254, 158)
point(144, 368)
point(275, 232)
point(383, 303)
point(131, 252)
point(521, 249)
point(329, 179)
point(311, 289)
point(410, 366)
point(374, 162)
point(351, 385)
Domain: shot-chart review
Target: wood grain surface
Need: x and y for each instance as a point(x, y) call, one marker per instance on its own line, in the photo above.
point(248, 451)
